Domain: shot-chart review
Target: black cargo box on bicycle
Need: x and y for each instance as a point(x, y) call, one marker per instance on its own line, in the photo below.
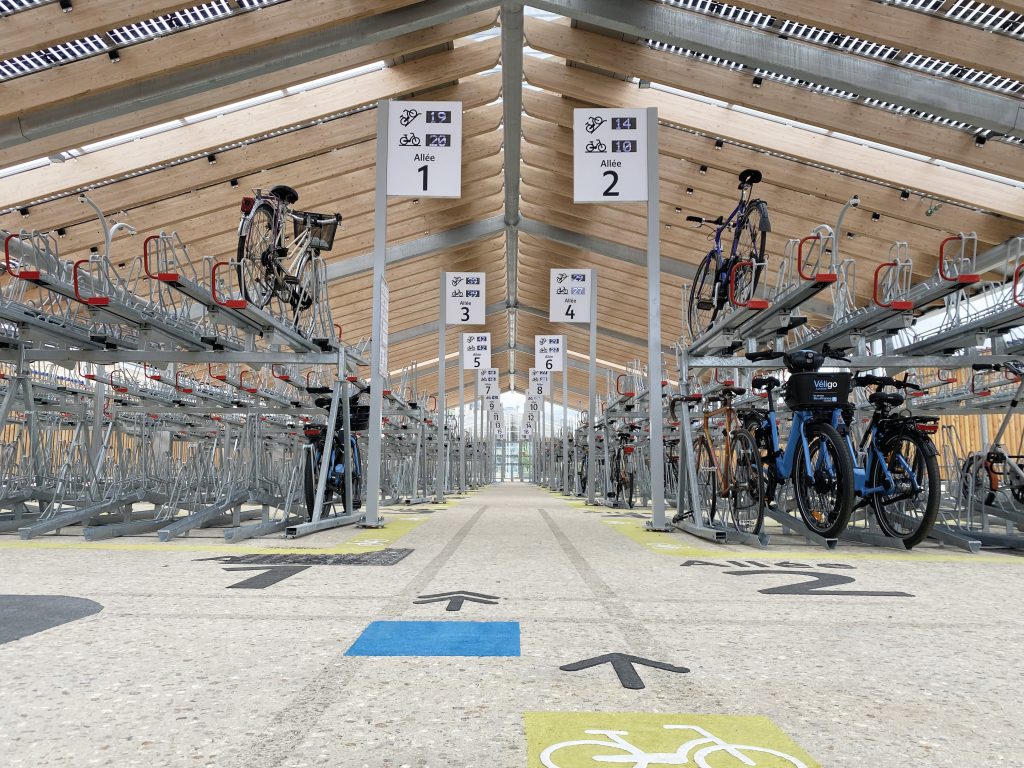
point(817, 390)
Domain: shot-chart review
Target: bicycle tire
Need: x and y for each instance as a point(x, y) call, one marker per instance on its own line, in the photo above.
point(304, 295)
point(827, 519)
point(974, 480)
point(899, 522)
point(311, 474)
point(748, 244)
point(254, 254)
point(746, 500)
point(707, 481)
point(702, 291)
point(631, 486)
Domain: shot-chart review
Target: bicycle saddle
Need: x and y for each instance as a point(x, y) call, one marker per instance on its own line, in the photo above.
point(765, 382)
point(734, 391)
point(749, 176)
point(886, 398)
point(285, 193)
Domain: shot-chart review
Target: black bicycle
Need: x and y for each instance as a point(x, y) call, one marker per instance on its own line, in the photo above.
point(334, 488)
point(719, 276)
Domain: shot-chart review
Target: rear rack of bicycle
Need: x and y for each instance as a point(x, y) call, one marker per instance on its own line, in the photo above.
point(980, 320)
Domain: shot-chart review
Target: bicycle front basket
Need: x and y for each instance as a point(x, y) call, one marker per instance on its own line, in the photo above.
point(817, 390)
point(322, 226)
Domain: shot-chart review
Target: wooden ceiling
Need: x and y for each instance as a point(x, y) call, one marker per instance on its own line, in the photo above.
point(322, 141)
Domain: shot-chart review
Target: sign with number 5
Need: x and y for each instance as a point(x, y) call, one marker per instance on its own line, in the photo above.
point(476, 351)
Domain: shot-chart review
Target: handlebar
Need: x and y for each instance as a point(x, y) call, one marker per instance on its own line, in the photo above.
point(869, 380)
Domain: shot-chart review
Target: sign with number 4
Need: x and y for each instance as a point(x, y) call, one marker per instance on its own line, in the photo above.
point(570, 295)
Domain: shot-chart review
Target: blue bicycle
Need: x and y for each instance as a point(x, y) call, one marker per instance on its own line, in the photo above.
point(334, 487)
point(737, 275)
point(816, 457)
point(896, 470)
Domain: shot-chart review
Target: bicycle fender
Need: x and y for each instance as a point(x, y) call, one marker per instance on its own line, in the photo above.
point(762, 206)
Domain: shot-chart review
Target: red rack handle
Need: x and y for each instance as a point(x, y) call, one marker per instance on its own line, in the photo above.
point(618, 384)
point(120, 388)
point(800, 256)
point(241, 383)
point(177, 384)
point(212, 375)
point(337, 327)
point(24, 274)
point(91, 301)
point(874, 290)
point(273, 372)
point(145, 372)
point(145, 256)
point(230, 303)
point(1018, 295)
point(732, 282)
point(942, 258)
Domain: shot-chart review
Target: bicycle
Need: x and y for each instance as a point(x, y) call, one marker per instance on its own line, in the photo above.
point(733, 471)
point(816, 457)
point(897, 471)
point(623, 477)
point(702, 747)
point(334, 489)
point(710, 289)
point(995, 469)
point(264, 245)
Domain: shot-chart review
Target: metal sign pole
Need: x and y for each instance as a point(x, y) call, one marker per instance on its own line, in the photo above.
point(655, 414)
point(462, 417)
point(441, 397)
point(592, 395)
point(565, 417)
point(380, 241)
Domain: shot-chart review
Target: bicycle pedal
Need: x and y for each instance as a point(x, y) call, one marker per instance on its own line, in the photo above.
point(705, 305)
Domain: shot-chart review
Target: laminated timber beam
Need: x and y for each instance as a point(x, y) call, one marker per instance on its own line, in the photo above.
point(863, 76)
point(805, 146)
point(279, 65)
point(905, 29)
point(847, 116)
point(208, 136)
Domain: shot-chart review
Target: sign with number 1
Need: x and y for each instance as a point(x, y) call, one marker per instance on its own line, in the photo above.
point(609, 155)
point(425, 148)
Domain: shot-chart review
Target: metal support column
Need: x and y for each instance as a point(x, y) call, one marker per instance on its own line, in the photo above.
point(441, 397)
point(592, 395)
point(657, 449)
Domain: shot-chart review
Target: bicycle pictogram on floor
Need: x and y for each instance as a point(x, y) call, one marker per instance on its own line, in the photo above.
point(703, 750)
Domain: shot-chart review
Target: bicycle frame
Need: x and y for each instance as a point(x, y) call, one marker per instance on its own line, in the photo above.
point(724, 473)
point(785, 463)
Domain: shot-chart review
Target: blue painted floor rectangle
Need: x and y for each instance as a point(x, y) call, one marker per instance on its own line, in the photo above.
point(438, 638)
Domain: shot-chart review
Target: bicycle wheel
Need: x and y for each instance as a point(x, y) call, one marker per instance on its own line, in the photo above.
point(630, 488)
point(745, 493)
point(703, 296)
point(905, 513)
point(304, 294)
point(975, 484)
point(256, 257)
point(748, 244)
point(707, 481)
point(311, 475)
point(824, 489)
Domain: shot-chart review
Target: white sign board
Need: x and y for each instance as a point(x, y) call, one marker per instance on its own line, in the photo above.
point(570, 295)
point(487, 382)
point(385, 302)
point(464, 297)
point(540, 381)
point(493, 406)
point(425, 148)
point(609, 155)
point(476, 351)
point(548, 352)
point(531, 413)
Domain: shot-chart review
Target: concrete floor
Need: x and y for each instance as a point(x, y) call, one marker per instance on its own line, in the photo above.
point(180, 669)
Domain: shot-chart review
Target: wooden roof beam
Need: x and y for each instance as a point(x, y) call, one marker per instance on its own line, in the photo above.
point(802, 145)
point(260, 120)
point(790, 101)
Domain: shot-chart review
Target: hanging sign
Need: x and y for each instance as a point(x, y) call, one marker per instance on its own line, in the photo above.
point(540, 381)
point(487, 382)
point(464, 297)
point(609, 155)
point(570, 296)
point(425, 148)
point(548, 352)
point(476, 351)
